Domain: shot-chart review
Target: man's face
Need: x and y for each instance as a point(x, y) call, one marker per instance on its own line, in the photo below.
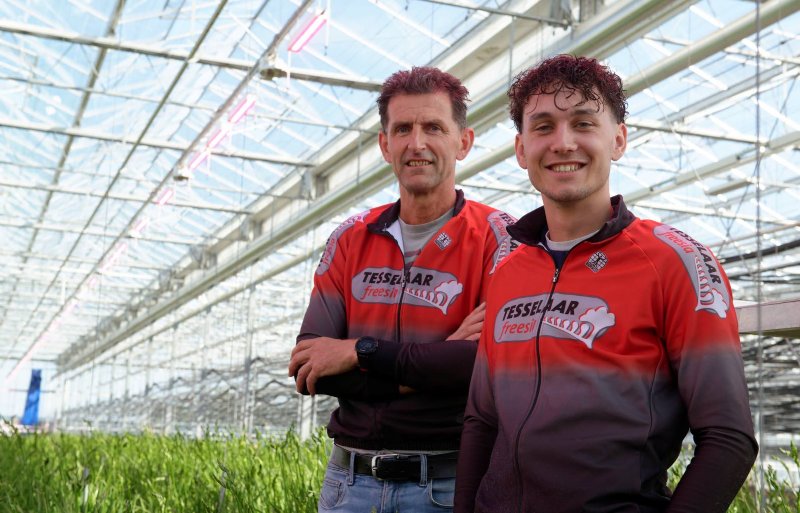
point(567, 147)
point(422, 142)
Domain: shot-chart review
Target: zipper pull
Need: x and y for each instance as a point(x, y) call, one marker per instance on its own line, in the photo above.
point(555, 275)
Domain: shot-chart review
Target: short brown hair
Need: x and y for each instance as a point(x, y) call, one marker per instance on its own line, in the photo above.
point(424, 80)
point(582, 75)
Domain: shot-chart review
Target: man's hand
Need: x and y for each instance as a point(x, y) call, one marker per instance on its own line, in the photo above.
point(318, 357)
point(471, 326)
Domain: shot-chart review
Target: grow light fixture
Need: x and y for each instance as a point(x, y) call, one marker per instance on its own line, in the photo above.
point(165, 196)
point(308, 32)
point(112, 259)
point(198, 159)
point(138, 229)
point(218, 137)
point(239, 112)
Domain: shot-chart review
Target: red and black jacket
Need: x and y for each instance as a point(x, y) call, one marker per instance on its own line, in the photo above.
point(589, 376)
point(361, 289)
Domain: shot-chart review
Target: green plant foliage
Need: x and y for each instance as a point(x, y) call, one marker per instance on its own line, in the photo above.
point(149, 473)
point(778, 497)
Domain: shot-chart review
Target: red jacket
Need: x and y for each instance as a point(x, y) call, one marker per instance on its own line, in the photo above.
point(588, 377)
point(360, 288)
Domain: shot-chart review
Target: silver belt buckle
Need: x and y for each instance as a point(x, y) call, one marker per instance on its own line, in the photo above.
point(379, 457)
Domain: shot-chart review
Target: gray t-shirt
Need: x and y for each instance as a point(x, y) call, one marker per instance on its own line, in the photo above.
point(415, 236)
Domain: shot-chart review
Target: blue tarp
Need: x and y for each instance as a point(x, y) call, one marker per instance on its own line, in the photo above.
point(31, 415)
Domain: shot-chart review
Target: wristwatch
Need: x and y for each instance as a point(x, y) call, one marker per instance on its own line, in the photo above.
point(365, 348)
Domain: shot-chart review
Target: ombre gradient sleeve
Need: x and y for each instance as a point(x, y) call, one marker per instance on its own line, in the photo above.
point(702, 340)
point(326, 316)
point(480, 429)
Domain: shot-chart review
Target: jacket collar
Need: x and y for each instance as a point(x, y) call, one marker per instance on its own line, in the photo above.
point(392, 214)
point(531, 227)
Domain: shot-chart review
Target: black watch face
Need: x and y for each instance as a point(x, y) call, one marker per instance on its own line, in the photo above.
point(366, 345)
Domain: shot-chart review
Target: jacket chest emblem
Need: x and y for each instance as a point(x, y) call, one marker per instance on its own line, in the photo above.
point(597, 261)
point(421, 287)
point(562, 316)
point(442, 241)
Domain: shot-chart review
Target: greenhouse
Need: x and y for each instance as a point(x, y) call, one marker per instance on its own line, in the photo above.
point(170, 173)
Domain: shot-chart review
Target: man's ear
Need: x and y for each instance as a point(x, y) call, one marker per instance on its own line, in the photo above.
point(620, 142)
point(383, 142)
point(519, 149)
point(467, 140)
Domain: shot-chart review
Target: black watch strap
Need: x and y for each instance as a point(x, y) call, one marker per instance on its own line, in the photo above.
point(365, 348)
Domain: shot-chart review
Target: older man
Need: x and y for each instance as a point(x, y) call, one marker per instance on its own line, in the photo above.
point(392, 326)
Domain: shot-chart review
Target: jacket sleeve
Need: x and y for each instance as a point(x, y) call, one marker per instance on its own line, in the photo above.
point(357, 385)
point(479, 434)
point(702, 340)
point(446, 366)
point(723, 458)
point(443, 367)
point(326, 316)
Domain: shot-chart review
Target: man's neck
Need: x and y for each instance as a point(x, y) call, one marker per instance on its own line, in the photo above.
point(420, 209)
point(571, 221)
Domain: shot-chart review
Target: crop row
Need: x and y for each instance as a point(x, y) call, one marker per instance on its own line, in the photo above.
point(107, 473)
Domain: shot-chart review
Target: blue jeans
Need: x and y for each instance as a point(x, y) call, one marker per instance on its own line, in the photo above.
point(344, 491)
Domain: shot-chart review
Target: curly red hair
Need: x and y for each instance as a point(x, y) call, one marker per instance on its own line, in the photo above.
point(571, 74)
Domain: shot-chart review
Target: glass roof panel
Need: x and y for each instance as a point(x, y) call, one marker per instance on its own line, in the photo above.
point(133, 201)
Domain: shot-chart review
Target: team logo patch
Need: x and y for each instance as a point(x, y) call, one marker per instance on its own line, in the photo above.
point(423, 287)
point(597, 261)
point(702, 268)
point(330, 246)
point(499, 222)
point(563, 316)
point(443, 240)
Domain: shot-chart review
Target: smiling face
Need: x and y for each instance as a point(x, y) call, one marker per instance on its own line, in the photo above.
point(422, 142)
point(567, 146)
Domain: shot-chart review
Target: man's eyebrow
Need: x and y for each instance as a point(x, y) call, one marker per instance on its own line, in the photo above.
point(395, 124)
point(424, 122)
point(536, 116)
point(583, 111)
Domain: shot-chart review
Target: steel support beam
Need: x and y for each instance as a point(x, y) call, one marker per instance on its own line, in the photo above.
point(747, 25)
point(772, 319)
point(144, 141)
point(115, 196)
point(111, 43)
point(373, 179)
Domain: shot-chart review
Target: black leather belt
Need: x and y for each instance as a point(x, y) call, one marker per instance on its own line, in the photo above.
point(396, 467)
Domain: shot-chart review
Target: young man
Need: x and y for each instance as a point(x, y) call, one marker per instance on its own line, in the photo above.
point(392, 326)
point(607, 337)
